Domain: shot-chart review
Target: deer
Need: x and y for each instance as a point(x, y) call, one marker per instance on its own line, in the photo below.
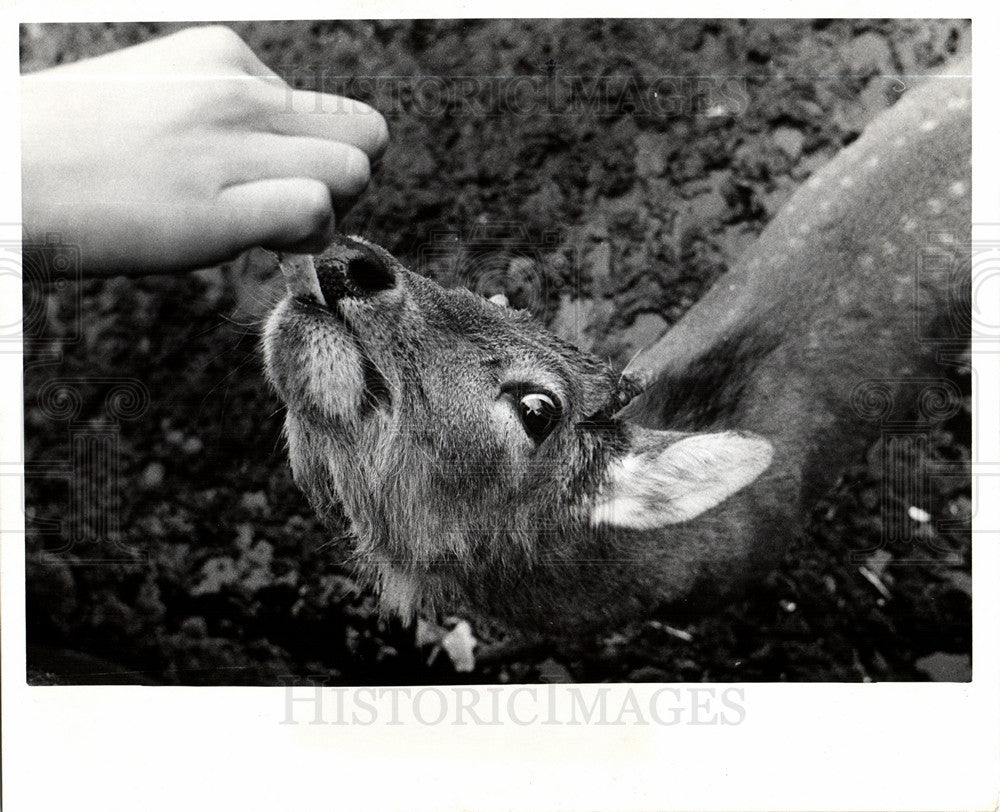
point(486, 464)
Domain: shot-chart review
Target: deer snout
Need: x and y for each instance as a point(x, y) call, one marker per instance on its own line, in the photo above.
point(352, 270)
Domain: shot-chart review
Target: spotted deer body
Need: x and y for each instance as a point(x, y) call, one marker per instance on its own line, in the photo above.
point(485, 463)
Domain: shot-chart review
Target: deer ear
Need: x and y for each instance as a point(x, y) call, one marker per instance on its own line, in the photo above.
point(653, 487)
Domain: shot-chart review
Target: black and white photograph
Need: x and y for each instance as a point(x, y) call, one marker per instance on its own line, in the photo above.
point(643, 357)
point(519, 354)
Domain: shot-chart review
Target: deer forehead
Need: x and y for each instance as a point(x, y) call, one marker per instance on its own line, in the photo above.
point(464, 343)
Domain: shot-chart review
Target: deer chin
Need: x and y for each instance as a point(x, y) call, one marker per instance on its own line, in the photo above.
point(406, 589)
point(399, 593)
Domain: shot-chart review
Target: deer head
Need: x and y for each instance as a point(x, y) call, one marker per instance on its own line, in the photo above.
point(479, 458)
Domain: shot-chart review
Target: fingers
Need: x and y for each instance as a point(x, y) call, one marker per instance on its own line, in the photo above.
point(294, 112)
point(277, 213)
point(328, 117)
point(217, 51)
point(342, 168)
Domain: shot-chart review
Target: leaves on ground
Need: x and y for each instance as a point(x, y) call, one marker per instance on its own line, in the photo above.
point(611, 222)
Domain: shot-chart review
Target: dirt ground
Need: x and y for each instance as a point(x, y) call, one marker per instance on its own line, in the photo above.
point(603, 173)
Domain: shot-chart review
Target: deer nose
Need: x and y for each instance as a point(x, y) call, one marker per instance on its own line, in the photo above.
point(352, 270)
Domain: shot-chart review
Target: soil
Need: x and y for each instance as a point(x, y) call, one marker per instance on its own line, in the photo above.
point(603, 173)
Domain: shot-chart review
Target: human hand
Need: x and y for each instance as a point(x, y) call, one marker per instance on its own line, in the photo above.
point(185, 151)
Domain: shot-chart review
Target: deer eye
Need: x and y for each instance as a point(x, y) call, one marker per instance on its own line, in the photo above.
point(539, 413)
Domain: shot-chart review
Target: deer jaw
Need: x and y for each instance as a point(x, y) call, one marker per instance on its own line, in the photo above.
point(407, 405)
